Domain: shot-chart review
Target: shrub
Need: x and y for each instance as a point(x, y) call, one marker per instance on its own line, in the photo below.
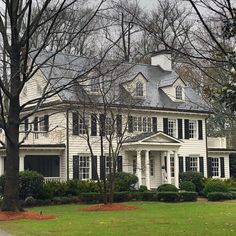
point(196, 178)
point(187, 186)
point(168, 196)
point(142, 188)
point(215, 185)
point(90, 198)
point(30, 184)
point(232, 189)
point(188, 196)
point(218, 196)
point(167, 188)
point(137, 196)
point(149, 196)
point(125, 182)
point(74, 187)
point(231, 183)
point(30, 201)
point(56, 188)
point(122, 196)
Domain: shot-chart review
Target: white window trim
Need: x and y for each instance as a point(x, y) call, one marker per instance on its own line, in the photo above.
point(219, 168)
point(90, 164)
point(196, 133)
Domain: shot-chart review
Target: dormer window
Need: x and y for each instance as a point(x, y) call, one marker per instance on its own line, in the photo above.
point(95, 85)
point(139, 89)
point(179, 92)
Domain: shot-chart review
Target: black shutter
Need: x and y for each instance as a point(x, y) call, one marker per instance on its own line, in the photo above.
point(75, 167)
point(46, 122)
point(180, 128)
point(187, 163)
point(119, 164)
point(165, 160)
point(201, 165)
point(181, 165)
point(26, 124)
point(209, 167)
point(36, 123)
point(222, 167)
point(75, 123)
point(119, 124)
point(165, 125)
point(130, 124)
point(102, 167)
point(200, 133)
point(154, 124)
point(93, 125)
point(94, 168)
point(186, 129)
point(102, 124)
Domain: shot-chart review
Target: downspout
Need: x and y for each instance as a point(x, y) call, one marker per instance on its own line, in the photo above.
point(206, 133)
point(67, 144)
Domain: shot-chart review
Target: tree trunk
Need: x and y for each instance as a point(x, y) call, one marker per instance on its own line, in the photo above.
point(11, 189)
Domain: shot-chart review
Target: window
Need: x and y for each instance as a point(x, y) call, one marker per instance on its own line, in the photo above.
point(151, 167)
point(215, 166)
point(95, 85)
point(172, 127)
point(84, 167)
point(179, 92)
point(108, 126)
point(172, 166)
point(42, 126)
point(83, 124)
point(139, 89)
point(192, 129)
point(142, 124)
point(107, 165)
point(134, 166)
point(194, 164)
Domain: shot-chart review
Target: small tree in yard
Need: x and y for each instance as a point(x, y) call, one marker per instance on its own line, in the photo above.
point(20, 22)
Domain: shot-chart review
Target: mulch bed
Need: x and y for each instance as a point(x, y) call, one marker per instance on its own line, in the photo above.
point(110, 207)
point(5, 216)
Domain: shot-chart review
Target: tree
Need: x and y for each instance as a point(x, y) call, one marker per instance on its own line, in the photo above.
point(18, 26)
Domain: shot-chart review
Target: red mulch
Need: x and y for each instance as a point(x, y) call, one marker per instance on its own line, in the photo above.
point(6, 215)
point(110, 207)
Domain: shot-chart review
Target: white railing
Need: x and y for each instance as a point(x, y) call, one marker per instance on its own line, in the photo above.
point(55, 179)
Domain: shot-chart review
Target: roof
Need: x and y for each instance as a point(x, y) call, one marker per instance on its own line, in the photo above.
point(40, 146)
point(220, 150)
point(62, 68)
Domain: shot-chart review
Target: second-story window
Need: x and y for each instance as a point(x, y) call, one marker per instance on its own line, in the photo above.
point(83, 124)
point(192, 129)
point(179, 92)
point(108, 126)
point(142, 124)
point(172, 127)
point(95, 85)
point(139, 89)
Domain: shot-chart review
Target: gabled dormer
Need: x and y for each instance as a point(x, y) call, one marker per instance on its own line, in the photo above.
point(174, 88)
point(137, 87)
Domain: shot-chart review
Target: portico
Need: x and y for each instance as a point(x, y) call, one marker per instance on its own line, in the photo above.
point(153, 157)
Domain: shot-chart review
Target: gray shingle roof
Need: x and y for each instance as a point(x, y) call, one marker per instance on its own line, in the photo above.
point(64, 67)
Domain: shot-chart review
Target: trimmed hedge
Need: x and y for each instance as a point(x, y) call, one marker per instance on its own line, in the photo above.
point(219, 196)
point(143, 188)
point(188, 196)
point(188, 186)
point(215, 185)
point(167, 188)
point(90, 198)
point(168, 196)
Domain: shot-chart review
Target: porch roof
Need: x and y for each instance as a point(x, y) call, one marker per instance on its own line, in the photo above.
point(39, 146)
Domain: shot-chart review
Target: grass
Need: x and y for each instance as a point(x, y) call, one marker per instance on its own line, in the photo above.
point(153, 218)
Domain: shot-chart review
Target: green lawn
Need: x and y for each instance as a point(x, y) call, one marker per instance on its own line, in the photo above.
point(154, 218)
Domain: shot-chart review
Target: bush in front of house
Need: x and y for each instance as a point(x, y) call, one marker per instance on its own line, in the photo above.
point(149, 196)
point(122, 196)
point(215, 185)
point(30, 184)
point(90, 198)
point(167, 188)
point(142, 188)
point(196, 178)
point(168, 196)
point(188, 196)
point(187, 186)
point(125, 181)
point(231, 183)
point(219, 196)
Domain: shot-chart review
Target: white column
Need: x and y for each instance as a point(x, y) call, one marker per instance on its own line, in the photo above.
point(139, 168)
point(147, 169)
point(176, 164)
point(1, 166)
point(168, 168)
point(22, 163)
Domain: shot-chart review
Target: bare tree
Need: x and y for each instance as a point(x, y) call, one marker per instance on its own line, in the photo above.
point(18, 26)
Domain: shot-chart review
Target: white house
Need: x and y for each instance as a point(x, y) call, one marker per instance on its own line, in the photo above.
point(165, 133)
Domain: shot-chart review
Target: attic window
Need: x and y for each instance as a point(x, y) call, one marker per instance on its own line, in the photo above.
point(139, 89)
point(95, 85)
point(179, 92)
